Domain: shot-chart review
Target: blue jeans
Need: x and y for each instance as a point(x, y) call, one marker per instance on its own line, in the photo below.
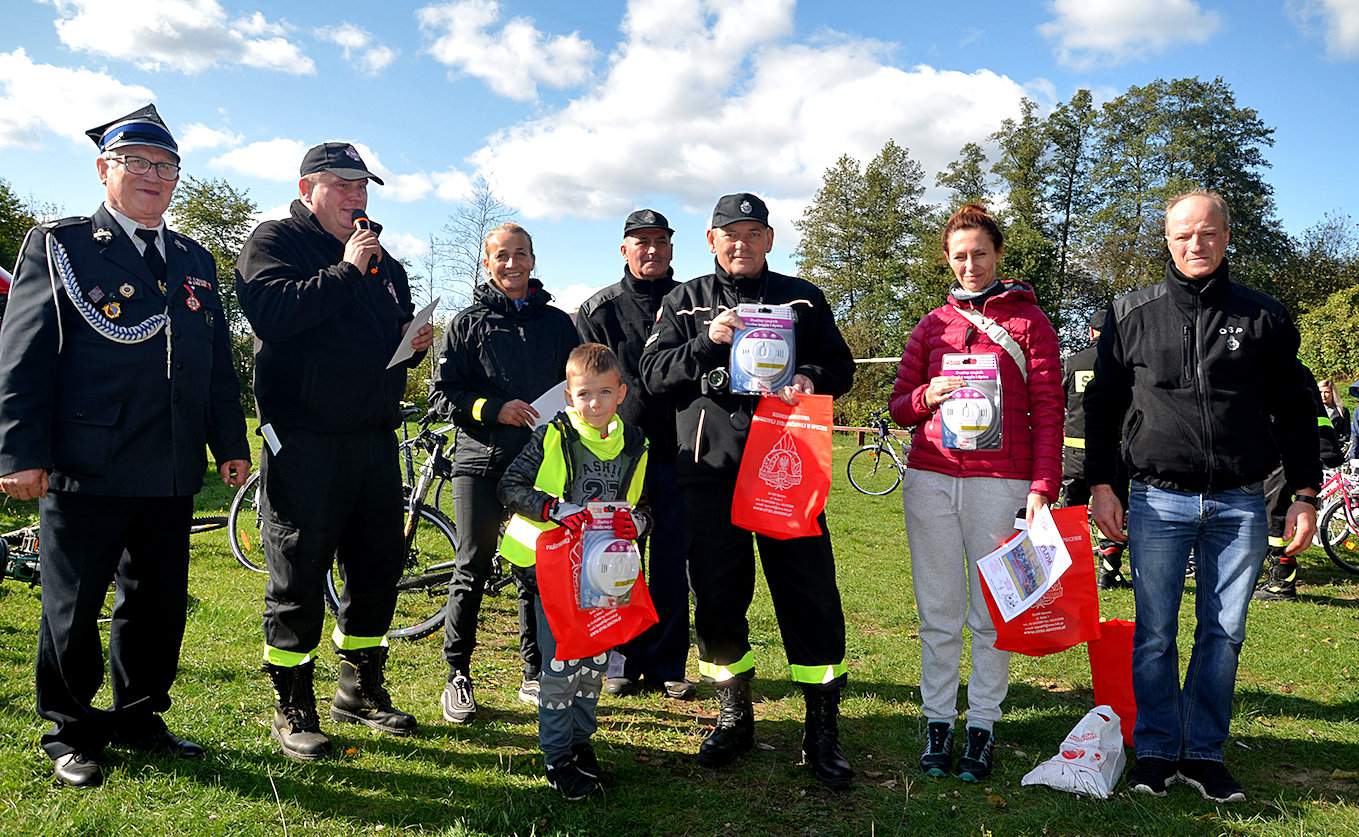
point(1227, 531)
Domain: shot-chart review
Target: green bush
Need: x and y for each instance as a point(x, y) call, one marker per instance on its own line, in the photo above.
point(1330, 336)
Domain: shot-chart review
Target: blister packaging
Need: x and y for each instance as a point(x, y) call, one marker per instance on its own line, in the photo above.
point(764, 351)
point(970, 417)
point(609, 565)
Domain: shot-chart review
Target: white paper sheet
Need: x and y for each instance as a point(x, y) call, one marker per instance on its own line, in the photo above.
point(1023, 569)
point(404, 352)
point(550, 403)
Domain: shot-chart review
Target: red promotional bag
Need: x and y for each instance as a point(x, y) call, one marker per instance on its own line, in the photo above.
point(1111, 672)
point(584, 633)
point(1069, 614)
point(785, 471)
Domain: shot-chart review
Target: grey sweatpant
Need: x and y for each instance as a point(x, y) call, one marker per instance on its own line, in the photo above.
point(951, 522)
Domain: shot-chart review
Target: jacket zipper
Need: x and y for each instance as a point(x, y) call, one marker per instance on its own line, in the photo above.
point(1202, 391)
point(1186, 368)
point(698, 434)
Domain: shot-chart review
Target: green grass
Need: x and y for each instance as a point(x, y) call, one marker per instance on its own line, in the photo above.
point(1296, 721)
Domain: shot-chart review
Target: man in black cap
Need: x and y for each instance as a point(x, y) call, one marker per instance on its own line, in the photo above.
point(686, 359)
point(621, 316)
point(1077, 372)
point(329, 307)
point(115, 370)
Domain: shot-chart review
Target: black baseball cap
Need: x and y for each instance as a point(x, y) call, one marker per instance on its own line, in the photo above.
point(646, 219)
point(340, 159)
point(741, 206)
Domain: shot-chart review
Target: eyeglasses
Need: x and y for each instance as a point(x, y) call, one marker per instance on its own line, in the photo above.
point(141, 165)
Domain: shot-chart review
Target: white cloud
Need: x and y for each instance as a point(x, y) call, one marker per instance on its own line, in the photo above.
point(1341, 21)
point(512, 61)
point(373, 57)
point(196, 136)
point(274, 213)
point(186, 35)
point(405, 245)
point(570, 297)
point(275, 159)
point(706, 97)
point(1107, 32)
point(42, 98)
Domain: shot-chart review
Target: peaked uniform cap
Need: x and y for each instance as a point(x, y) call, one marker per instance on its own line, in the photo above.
point(141, 127)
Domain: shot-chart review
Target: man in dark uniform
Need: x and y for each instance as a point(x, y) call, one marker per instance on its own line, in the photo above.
point(621, 316)
point(115, 370)
point(686, 359)
point(1077, 372)
point(329, 307)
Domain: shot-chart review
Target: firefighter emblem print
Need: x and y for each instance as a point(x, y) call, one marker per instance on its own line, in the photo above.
point(782, 465)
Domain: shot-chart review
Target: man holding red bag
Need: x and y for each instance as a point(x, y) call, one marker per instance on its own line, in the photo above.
point(687, 358)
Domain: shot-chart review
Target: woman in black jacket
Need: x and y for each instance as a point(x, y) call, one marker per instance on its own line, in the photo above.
point(498, 355)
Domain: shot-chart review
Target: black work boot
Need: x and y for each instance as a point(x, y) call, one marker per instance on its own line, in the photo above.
point(735, 730)
point(296, 727)
point(821, 739)
point(361, 698)
point(1281, 581)
point(1111, 565)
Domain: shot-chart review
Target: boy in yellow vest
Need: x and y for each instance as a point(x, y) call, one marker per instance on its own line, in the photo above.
point(583, 455)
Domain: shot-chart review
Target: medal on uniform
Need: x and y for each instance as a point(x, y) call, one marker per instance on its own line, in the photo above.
point(126, 290)
point(113, 310)
point(161, 285)
point(192, 302)
point(96, 294)
point(103, 235)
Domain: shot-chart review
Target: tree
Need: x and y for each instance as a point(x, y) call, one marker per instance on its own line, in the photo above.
point(1330, 342)
point(1070, 198)
point(1321, 261)
point(16, 217)
point(458, 250)
point(1023, 168)
point(966, 176)
point(220, 217)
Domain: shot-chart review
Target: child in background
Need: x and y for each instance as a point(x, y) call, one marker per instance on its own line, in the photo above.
point(585, 454)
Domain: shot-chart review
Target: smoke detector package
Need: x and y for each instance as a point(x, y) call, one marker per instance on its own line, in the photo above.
point(764, 351)
point(609, 565)
point(970, 417)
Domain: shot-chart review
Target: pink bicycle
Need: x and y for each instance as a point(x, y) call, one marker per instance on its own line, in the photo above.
point(1338, 520)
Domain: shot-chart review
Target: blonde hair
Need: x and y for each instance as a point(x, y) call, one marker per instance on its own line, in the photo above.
point(1218, 202)
point(593, 359)
point(507, 227)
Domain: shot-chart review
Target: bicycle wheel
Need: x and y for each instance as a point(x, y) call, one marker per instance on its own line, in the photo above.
point(874, 470)
point(1339, 538)
point(422, 592)
point(243, 526)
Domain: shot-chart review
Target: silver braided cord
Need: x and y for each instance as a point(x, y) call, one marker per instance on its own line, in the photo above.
point(139, 333)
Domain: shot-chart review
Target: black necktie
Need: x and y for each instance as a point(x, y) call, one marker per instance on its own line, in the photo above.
point(152, 254)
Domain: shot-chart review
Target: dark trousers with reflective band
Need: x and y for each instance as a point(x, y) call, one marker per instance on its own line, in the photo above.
point(800, 573)
point(1277, 501)
point(142, 545)
point(660, 652)
point(329, 498)
point(478, 513)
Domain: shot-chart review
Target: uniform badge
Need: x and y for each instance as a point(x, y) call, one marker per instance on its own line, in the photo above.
point(96, 294)
point(1233, 344)
point(113, 310)
point(199, 283)
point(192, 303)
point(746, 207)
point(180, 245)
point(126, 290)
point(353, 155)
point(161, 286)
point(103, 235)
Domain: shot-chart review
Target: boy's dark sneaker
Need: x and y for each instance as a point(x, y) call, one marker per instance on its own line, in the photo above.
point(570, 781)
point(937, 760)
point(1151, 775)
point(1211, 780)
point(584, 755)
point(976, 761)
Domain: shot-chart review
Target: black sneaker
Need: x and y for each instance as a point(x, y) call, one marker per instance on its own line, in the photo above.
point(937, 759)
point(1111, 579)
point(570, 781)
point(1211, 780)
point(1281, 585)
point(584, 755)
point(1151, 775)
point(978, 755)
point(457, 704)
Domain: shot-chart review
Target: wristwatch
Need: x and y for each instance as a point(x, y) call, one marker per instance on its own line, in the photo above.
point(1309, 499)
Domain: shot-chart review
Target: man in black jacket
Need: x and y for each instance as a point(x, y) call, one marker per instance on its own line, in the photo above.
point(497, 357)
point(621, 316)
point(1197, 383)
point(686, 359)
point(329, 307)
point(115, 369)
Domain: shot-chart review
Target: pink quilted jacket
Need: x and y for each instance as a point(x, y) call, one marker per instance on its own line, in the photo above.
point(1031, 433)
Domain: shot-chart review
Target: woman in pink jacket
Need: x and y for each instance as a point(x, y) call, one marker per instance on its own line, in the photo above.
point(979, 451)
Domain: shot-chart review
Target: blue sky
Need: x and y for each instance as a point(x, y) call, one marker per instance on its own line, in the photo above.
point(577, 113)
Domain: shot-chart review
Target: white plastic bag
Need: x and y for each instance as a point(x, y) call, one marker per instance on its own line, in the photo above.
point(1090, 759)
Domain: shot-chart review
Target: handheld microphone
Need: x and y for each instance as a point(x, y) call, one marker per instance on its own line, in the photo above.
point(361, 222)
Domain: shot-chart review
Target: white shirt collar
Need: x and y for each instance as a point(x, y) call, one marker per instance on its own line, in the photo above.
point(130, 227)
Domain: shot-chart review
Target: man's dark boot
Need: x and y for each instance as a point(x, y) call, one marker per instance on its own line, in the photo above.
point(362, 699)
point(1281, 579)
point(735, 730)
point(296, 727)
point(821, 739)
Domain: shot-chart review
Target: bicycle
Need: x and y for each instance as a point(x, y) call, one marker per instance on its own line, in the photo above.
point(1338, 522)
point(19, 556)
point(878, 467)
